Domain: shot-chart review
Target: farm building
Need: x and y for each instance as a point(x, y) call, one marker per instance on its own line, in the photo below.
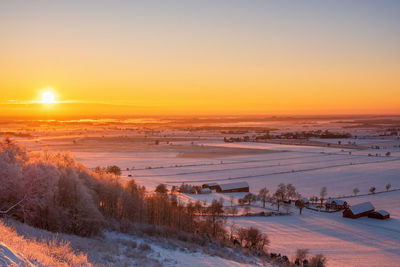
point(359, 210)
point(205, 191)
point(233, 187)
point(336, 204)
point(211, 186)
point(379, 214)
point(304, 201)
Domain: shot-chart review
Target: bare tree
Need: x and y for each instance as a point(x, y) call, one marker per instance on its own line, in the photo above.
point(301, 254)
point(161, 188)
point(286, 206)
point(323, 194)
point(114, 169)
point(249, 198)
point(215, 211)
point(388, 186)
point(285, 192)
point(372, 189)
point(318, 260)
point(253, 238)
point(280, 194)
point(356, 191)
point(263, 195)
point(300, 205)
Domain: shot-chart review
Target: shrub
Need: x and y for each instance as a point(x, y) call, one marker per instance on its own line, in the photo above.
point(318, 260)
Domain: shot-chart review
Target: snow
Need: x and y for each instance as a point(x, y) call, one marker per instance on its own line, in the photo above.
point(8, 257)
point(169, 256)
point(362, 207)
point(345, 242)
point(360, 242)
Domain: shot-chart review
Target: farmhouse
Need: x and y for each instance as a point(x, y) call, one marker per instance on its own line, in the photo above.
point(379, 214)
point(233, 187)
point(211, 186)
point(336, 204)
point(359, 210)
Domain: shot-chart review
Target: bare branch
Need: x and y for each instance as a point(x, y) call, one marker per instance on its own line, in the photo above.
point(13, 206)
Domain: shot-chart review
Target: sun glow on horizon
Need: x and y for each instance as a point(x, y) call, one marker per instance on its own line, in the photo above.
point(48, 97)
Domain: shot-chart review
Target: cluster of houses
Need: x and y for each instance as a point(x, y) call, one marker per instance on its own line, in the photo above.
point(225, 188)
point(354, 211)
point(365, 209)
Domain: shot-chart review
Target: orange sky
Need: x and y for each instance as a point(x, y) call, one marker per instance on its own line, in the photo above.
point(194, 58)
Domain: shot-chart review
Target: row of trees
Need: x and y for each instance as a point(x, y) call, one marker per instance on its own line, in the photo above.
point(372, 189)
point(56, 193)
point(284, 194)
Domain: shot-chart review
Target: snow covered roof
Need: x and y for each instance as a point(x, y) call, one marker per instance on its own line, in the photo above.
point(205, 190)
point(362, 207)
point(211, 184)
point(233, 185)
point(382, 212)
point(337, 201)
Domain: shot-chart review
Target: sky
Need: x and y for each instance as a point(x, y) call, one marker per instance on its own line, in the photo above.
point(200, 57)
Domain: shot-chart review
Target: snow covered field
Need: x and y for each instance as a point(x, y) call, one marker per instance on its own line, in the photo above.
point(346, 242)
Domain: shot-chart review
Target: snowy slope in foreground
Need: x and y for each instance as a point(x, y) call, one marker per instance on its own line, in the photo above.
point(8, 257)
point(165, 253)
point(23, 245)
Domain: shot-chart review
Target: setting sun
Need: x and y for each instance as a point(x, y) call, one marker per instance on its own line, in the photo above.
point(48, 97)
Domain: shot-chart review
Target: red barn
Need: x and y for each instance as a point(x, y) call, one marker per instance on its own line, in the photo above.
point(379, 214)
point(359, 210)
point(233, 187)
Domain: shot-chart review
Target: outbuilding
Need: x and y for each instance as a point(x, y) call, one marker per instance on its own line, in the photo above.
point(205, 191)
point(211, 186)
point(359, 210)
point(233, 187)
point(336, 204)
point(379, 214)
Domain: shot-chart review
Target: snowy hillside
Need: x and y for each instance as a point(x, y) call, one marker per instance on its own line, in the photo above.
point(28, 246)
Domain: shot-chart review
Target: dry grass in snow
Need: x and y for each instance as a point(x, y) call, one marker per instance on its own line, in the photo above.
point(44, 253)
